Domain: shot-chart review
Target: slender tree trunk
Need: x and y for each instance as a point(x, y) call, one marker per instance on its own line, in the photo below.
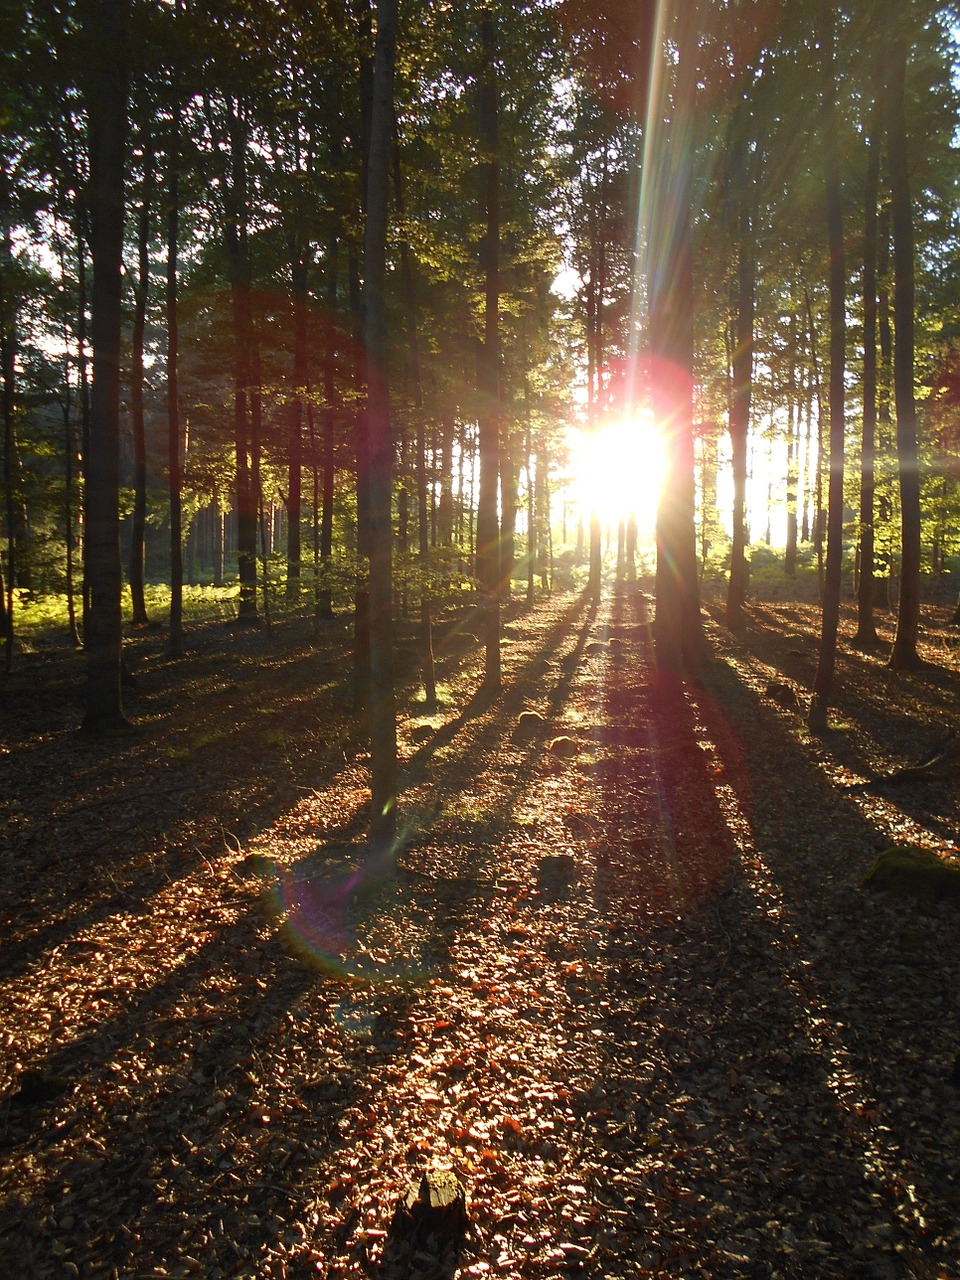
point(8, 365)
point(361, 614)
point(138, 601)
point(174, 433)
point(68, 535)
point(793, 453)
point(824, 679)
point(83, 375)
point(423, 512)
point(904, 655)
point(740, 406)
point(815, 470)
point(531, 517)
point(509, 488)
point(105, 25)
point(325, 598)
point(804, 483)
point(298, 273)
point(488, 364)
point(235, 237)
point(866, 635)
point(383, 727)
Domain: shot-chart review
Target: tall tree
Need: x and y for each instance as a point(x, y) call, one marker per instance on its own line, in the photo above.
point(174, 431)
point(904, 654)
point(379, 439)
point(866, 588)
point(141, 296)
point(826, 665)
point(678, 627)
point(488, 360)
point(105, 35)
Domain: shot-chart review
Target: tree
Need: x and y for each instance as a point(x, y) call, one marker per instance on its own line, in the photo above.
point(379, 440)
point(489, 566)
point(105, 33)
point(823, 681)
point(904, 654)
point(678, 628)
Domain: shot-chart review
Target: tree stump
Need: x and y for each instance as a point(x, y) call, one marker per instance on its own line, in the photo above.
point(428, 1228)
point(906, 872)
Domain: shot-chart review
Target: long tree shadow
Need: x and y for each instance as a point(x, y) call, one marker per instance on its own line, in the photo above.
point(717, 1066)
point(207, 1050)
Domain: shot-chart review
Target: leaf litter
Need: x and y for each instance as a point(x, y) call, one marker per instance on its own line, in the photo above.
point(630, 992)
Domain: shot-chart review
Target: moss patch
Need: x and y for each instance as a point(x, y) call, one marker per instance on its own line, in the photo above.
point(915, 873)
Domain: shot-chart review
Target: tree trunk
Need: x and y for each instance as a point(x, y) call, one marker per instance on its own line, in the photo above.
point(823, 681)
point(105, 26)
point(423, 512)
point(904, 655)
point(488, 365)
point(793, 453)
point(174, 434)
point(383, 728)
point(235, 240)
point(678, 627)
point(298, 274)
point(8, 367)
point(83, 376)
point(141, 292)
point(324, 601)
point(866, 635)
point(740, 405)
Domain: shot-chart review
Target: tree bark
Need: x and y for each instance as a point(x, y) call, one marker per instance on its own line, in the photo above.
point(904, 655)
point(235, 243)
point(488, 366)
point(141, 293)
point(298, 275)
point(678, 627)
point(742, 391)
point(383, 728)
point(8, 371)
point(824, 679)
point(105, 26)
point(324, 605)
point(174, 433)
point(423, 513)
point(866, 635)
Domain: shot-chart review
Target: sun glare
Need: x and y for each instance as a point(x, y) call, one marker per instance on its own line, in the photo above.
point(619, 470)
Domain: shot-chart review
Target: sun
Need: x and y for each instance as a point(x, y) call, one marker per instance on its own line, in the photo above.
point(618, 471)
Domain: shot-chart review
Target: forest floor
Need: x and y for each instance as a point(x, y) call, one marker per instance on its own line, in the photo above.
point(625, 982)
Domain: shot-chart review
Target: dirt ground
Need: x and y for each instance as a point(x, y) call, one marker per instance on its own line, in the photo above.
point(624, 981)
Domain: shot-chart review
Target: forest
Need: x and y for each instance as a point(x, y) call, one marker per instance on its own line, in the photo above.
point(480, 695)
